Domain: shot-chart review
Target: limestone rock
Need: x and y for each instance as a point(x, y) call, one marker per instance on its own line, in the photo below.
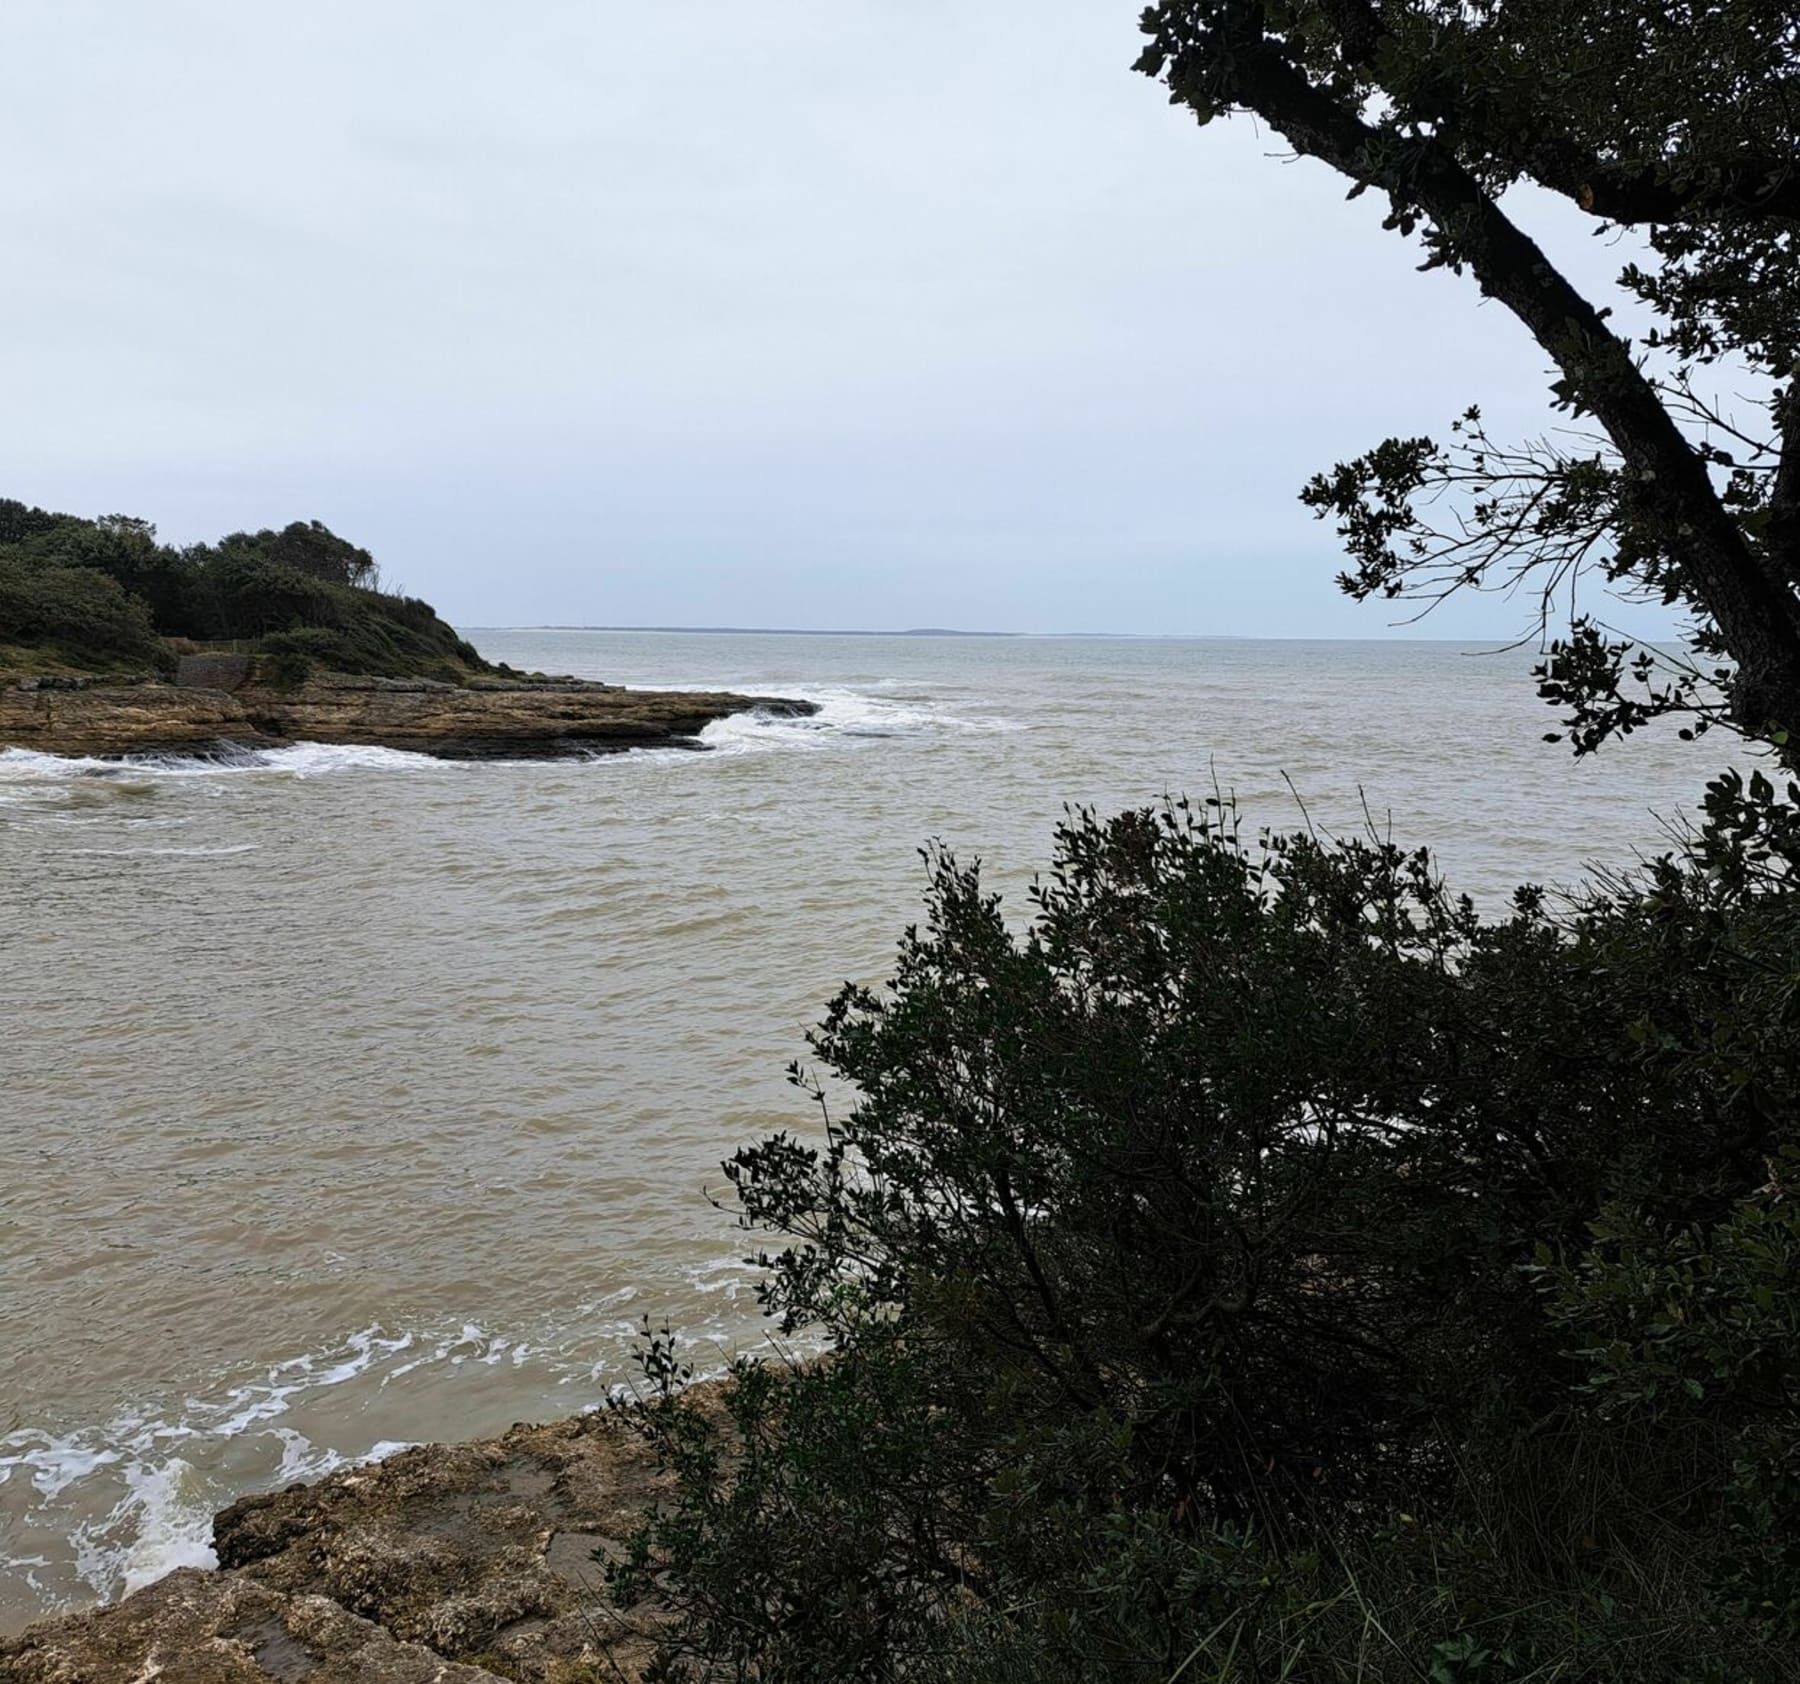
point(482, 720)
point(213, 1628)
point(446, 1564)
point(124, 719)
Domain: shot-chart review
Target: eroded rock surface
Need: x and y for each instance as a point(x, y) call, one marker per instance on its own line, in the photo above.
point(125, 719)
point(447, 1564)
point(484, 720)
point(212, 1628)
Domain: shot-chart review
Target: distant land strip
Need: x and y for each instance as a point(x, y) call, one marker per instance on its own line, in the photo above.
point(769, 631)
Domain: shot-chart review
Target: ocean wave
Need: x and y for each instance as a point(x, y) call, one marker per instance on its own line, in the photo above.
point(124, 1501)
point(96, 1512)
point(299, 760)
point(845, 715)
point(165, 853)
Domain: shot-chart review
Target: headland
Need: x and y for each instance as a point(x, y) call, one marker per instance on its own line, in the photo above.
point(114, 644)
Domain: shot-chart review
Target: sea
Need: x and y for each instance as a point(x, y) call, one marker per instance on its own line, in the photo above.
point(351, 1099)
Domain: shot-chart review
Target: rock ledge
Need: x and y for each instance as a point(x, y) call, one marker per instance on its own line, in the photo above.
point(447, 1564)
point(487, 719)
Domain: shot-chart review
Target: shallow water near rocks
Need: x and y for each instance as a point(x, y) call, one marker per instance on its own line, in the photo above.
point(354, 1099)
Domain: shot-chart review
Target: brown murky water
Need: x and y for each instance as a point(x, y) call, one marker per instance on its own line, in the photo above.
point(352, 1099)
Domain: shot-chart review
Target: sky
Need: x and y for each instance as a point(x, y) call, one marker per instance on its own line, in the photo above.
point(880, 313)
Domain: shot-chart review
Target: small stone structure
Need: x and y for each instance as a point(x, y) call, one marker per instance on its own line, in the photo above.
point(213, 672)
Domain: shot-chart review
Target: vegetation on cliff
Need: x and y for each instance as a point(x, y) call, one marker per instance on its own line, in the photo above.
point(103, 596)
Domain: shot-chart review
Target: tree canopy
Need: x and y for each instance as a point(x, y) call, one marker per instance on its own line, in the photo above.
point(104, 595)
point(1677, 120)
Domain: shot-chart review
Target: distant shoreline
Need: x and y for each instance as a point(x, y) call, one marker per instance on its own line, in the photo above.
point(788, 631)
point(1497, 646)
point(937, 631)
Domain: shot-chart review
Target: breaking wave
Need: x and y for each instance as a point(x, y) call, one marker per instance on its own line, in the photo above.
point(844, 716)
point(93, 1513)
point(24, 767)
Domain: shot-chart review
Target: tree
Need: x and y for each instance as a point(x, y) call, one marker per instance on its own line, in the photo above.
point(312, 547)
point(1675, 119)
point(309, 547)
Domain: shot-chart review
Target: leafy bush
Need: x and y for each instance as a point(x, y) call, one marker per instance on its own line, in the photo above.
point(1262, 1267)
point(118, 545)
point(376, 637)
point(74, 616)
point(243, 596)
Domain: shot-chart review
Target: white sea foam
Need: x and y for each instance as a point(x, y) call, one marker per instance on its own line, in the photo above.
point(300, 760)
point(101, 1511)
point(384, 1448)
point(306, 760)
point(53, 1464)
point(301, 1458)
point(168, 1518)
point(165, 853)
point(844, 714)
point(128, 1500)
point(729, 1275)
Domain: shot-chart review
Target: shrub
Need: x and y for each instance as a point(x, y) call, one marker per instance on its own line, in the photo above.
point(1245, 1270)
point(76, 616)
point(343, 628)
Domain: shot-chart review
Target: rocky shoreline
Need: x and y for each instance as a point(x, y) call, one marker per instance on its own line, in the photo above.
point(476, 1563)
point(482, 719)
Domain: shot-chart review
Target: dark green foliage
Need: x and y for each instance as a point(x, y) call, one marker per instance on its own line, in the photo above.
point(1679, 122)
point(246, 598)
point(117, 545)
point(303, 594)
point(74, 615)
point(19, 521)
point(310, 547)
point(1264, 1265)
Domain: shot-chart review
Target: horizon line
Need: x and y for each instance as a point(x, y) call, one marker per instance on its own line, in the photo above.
point(952, 631)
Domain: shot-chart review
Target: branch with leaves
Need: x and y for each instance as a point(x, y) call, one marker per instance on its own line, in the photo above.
point(1679, 117)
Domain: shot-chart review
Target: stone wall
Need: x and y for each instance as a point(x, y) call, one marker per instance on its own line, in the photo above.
point(213, 672)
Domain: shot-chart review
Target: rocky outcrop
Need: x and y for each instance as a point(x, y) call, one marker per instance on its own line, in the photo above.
point(485, 719)
point(447, 1564)
point(208, 1628)
point(125, 719)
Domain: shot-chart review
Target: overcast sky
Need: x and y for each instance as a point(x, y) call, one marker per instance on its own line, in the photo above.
point(878, 313)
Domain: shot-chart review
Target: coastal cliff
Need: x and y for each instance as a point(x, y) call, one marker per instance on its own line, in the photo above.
point(473, 1563)
point(483, 719)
